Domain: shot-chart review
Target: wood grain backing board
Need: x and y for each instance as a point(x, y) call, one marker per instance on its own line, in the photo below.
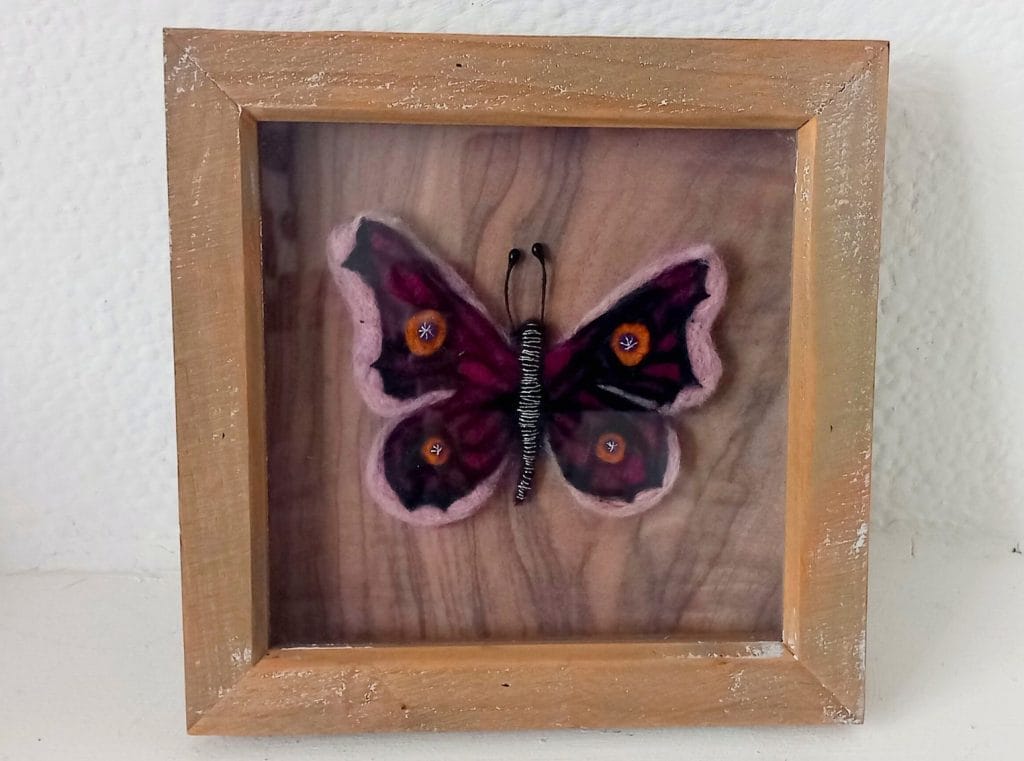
point(708, 560)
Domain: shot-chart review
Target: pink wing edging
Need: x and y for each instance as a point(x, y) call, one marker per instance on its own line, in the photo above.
point(704, 359)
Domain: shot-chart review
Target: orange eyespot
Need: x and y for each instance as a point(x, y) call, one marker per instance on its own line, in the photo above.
point(610, 448)
point(631, 342)
point(425, 332)
point(436, 451)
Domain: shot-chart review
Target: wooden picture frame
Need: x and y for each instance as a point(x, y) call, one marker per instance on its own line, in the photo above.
point(219, 85)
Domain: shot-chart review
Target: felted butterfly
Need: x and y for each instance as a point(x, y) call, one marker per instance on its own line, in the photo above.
point(464, 399)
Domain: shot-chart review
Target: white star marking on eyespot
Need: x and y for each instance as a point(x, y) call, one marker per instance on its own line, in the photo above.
point(628, 342)
point(436, 448)
point(611, 445)
point(426, 331)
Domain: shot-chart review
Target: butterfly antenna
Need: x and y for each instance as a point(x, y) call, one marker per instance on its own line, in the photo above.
point(513, 258)
point(539, 254)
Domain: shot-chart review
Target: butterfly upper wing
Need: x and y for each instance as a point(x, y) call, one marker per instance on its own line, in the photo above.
point(426, 355)
point(669, 308)
point(644, 353)
point(393, 285)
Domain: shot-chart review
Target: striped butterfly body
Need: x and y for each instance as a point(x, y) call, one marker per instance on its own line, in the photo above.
point(529, 404)
point(463, 400)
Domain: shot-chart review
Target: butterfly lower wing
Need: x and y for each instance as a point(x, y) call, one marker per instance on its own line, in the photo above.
point(420, 334)
point(440, 463)
point(614, 382)
point(616, 463)
point(648, 347)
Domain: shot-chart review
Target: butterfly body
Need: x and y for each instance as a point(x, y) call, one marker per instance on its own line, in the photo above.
point(529, 403)
point(464, 401)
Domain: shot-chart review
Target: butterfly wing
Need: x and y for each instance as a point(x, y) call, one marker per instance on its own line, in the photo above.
point(439, 464)
point(616, 462)
point(420, 334)
point(645, 353)
point(426, 356)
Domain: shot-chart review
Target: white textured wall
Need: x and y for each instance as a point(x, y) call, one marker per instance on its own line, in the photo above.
point(87, 464)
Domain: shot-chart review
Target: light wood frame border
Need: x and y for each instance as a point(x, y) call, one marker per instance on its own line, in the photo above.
point(220, 84)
